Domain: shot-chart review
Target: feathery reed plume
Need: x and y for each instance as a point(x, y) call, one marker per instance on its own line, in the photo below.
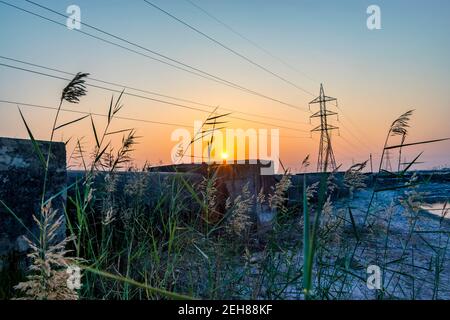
point(123, 154)
point(72, 94)
point(413, 203)
point(48, 279)
point(278, 198)
point(208, 190)
point(331, 183)
point(109, 216)
point(331, 223)
point(108, 203)
point(311, 190)
point(327, 208)
point(240, 221)
point(75, 89)
point(261, 197)
point(136, 185)
point(354, 179)
point(400, 126)
point(113, 162)
point(305, 163)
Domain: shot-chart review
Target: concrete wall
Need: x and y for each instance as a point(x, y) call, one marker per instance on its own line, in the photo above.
point(231, 179)
point(21, 182)
point(154, 186)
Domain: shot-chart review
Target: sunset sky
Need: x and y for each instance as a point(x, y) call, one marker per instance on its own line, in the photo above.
point(376, 75)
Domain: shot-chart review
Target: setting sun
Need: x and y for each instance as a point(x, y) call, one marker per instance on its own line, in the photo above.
point(336, 185)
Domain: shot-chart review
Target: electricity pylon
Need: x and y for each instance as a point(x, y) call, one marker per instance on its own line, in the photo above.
point(326, 158)
point(387, 162)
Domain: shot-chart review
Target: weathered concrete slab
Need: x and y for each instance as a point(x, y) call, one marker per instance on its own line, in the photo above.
point(231, 179)
point(153, 185)
point(21, 185)
point(170, 182)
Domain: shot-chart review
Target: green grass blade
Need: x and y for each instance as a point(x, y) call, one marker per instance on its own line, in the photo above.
point(165, 293)
point(71, 122)
point(352, 219)
point(415, 143)
point(35, 144)
point(306, 242)
point(10, 211)
point(411, 163)
point(95, 133)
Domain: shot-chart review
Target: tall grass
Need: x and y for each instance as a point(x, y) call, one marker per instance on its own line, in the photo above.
point(332, 268)
point(142, 235)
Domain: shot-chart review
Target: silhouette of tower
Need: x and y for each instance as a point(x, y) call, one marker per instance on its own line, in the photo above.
point(326, 158)
point(387, 162)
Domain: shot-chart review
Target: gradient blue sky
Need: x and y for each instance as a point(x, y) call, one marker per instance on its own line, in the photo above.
point(376, 75)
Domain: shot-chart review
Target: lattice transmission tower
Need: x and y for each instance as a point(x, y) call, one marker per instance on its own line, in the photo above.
point(387, 161)
point(326, 159)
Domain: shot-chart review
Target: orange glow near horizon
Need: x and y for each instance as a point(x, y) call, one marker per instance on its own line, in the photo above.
point(155, 145)
point(401, 67)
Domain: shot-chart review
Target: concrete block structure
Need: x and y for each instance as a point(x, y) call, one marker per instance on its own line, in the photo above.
point(21, 186)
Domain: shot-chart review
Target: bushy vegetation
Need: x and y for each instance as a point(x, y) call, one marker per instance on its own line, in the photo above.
point(180, 245)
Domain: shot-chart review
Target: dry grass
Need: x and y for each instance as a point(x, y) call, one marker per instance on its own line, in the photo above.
point(178, 245)
point(48, 277)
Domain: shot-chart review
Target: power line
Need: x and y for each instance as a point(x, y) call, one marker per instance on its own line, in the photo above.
point(134, 44)
point(350, 144)
point(343, 126)
point(214, 78)
point(265, 51)
point(203, 74)
point(208, 76)
point(253, 43)
point(148, 98)
point(37, 106)
point(355, 136)
point(146, 91)
point(338, 146)
point(352, 124)
point(110, 42)
point(229, 49)
point(350, 131)
point(92, 113)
